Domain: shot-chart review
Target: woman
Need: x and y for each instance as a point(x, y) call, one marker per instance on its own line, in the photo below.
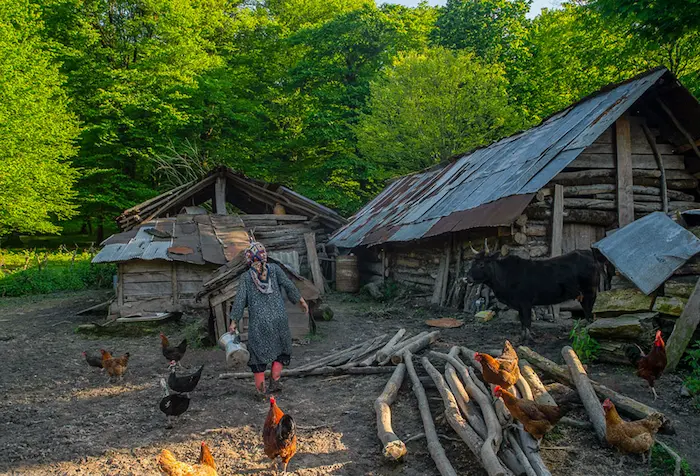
point(269, 338)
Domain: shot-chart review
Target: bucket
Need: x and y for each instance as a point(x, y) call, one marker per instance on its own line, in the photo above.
point(347, 275)
point(236, 353)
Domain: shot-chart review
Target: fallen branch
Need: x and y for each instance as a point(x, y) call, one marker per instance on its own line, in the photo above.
point(488, 458)
point(529, 471)
point(393, 448)
point(672, 454)
point(532, 452)
point(468, 408)
point(524, 388)
point(437, 452)
point(370, 346)
point(628, 406)
point(330, 358)
point(539, 392)
point(316, 371)
point(415, 346)
point(585, 390)
point(383, 353)
point(385, 359)
point(502, 412)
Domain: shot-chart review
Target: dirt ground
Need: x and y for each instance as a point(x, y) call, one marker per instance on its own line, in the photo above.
point(58, 416)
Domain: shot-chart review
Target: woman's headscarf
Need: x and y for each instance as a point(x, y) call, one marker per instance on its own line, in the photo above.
point(256, 257)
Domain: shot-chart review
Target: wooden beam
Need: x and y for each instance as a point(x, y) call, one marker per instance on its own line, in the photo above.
point(316, 273)
point(557, 231)
point(173, 278)
point(623, 147)
point(659, 164)
point(220, 327)
point(683, 330)
point(220, 196)
point(679, 126)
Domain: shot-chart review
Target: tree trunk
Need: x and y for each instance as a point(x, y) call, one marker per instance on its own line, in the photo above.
point(586, 391)
point(394, 448)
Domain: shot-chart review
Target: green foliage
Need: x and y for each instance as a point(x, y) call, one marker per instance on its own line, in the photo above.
point(585, 346)
point(663, 464)
point(36, 129)
point(431, 105)
point(42, 272)
point(692, 381)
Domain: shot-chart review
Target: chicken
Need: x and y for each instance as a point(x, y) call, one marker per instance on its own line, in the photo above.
point(173, 353)
point(115, 366)
point(172, 405)
point(279, 435)
point(630, 436)
point(183, 383)
point(93, 360)
point(649, 366)
point(504, 370)
point(205, 465)
point(537, 419)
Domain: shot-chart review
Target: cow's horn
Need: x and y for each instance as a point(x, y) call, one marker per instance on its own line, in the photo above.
point(486, 245)
point(472, 248)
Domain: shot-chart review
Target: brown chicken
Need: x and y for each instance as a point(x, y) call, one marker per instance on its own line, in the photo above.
point(504, 370)
point(630, 436)
point(171, 352)
point(279, 435)
point(115, 366)
point(205, 465)
point(537, 419)
point(649, 366)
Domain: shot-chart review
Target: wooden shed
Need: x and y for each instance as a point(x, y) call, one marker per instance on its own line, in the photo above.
point(171, 244)
point(617, 155)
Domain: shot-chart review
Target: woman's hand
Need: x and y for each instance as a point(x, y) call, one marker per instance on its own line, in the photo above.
point(304, 306)
point(232, 327)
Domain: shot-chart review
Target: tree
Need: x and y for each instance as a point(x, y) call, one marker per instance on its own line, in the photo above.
point(36, 129)
point(432, 105)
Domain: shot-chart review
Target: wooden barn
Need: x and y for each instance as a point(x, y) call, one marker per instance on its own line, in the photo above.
point(171, 244)
point(617, 155)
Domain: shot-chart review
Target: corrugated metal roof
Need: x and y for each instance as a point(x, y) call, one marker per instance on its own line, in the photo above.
point(649, 250)
point(212, 239)
point(425, 204)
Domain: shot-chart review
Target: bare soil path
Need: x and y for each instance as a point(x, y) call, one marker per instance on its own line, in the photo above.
point(58, 416)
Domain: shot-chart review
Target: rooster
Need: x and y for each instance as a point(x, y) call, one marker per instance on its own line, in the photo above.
point(649, 366)
point(173, 353)
point(115, 366)
point(504, 370)
point(279, 435)
point(630, 436)
point(205, 465)
point(537, 418)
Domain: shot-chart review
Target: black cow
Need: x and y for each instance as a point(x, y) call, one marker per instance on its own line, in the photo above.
point(523, 283)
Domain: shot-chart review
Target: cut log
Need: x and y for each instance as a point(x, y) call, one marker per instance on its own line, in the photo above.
point(415, 346)
point(384, 353)
point(683, 330)
point(529, 471)
point(627, 406)
point(539, 392)
point(468, 407)
point(315, 371)
point(437, 452)
point(329, 358)
point(399, 347)
point(532, 452)
point(493, 427)
point(393, 448)
point(323, 313)
point(586, 392)
point(359, 355)
point(591, 217)
point(489, 460)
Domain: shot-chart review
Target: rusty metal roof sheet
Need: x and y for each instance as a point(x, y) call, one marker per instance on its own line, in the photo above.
point(649, 250)
point(467, 193)
point(212, 239)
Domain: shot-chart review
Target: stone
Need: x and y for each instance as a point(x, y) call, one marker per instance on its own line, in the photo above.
point(621, 301)
point(685, 392)
point(672, 306)
point(374, 290)
point(630, 327)
point(681, 288)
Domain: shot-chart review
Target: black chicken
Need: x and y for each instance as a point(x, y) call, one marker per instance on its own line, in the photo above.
point(183, 383)
point(173, 404)
point(173, 353)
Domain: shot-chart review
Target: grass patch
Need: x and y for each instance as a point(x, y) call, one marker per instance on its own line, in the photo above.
point(662, 464)
point(118, 329)
point(24, 273)
point(692, 381)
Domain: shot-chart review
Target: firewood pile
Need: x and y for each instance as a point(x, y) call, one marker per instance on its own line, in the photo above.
point(483, 422)
point(372, 356)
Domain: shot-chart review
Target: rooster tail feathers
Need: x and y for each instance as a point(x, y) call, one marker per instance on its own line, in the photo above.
point(286, 428)
point(183, 345)
point(633, 354)
point(166, 460)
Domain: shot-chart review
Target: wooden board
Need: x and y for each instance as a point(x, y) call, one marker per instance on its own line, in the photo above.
point(684, 329)
point(557, 221)
point(312, 257)
point(638, 147)
point(220, 320)
point(147, 277)
point(580, 236)
point(639, 161)
point(148, 289)
point(220, 196)
point(623, 147)
point(145, 266)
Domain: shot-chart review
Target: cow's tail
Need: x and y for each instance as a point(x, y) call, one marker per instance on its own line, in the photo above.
point(634, 354)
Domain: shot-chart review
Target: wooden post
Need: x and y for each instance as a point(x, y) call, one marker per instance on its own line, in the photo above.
point(446, 272)
point(173, 277)
point(382, 256)
point(679, 126)
point(585, 390)
point(659, 164)
point(625, 198)
point(316, 273)
point(120, 287)
point(557, 231)
point(220, 327)
point(220, 196)
point(683, 330)
point(437, 289)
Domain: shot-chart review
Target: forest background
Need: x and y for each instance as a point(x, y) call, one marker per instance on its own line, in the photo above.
point(105, 103)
